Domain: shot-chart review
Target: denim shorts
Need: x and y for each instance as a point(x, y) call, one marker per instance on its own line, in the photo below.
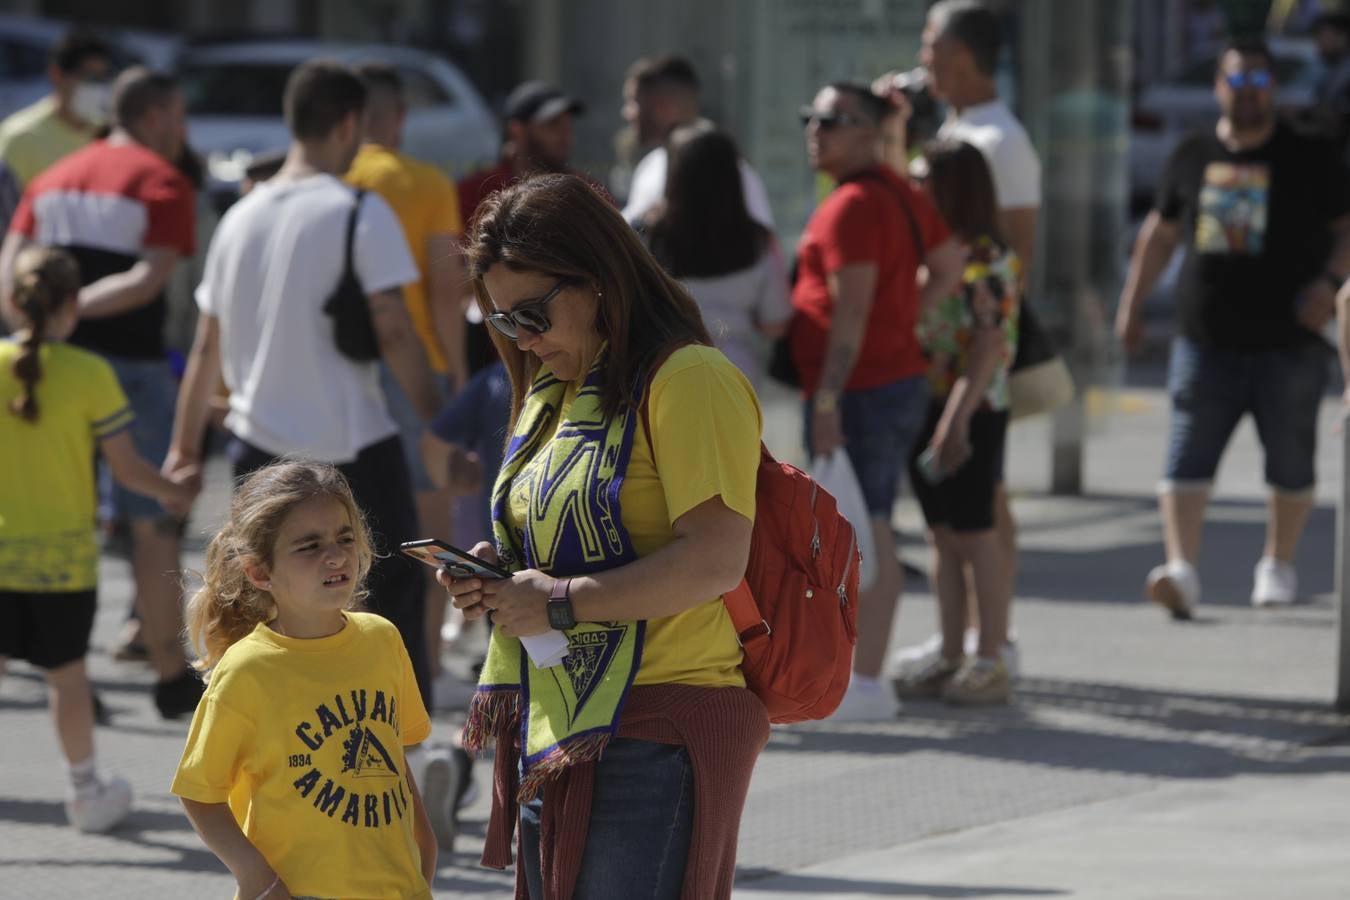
point(409, 425)
point(1212, 388)
point(642, 822)
point(880, 427)
point(151, 392)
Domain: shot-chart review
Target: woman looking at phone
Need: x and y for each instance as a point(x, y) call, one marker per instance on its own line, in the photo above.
point(645, 736)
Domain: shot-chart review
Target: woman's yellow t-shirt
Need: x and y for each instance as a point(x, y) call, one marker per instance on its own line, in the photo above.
point(706, 425)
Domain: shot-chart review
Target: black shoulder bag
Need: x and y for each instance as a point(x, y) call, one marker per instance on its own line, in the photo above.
point(353, 330)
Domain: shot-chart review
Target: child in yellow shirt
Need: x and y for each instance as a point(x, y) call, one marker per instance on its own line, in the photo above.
point(57, 405)
point(294, 773)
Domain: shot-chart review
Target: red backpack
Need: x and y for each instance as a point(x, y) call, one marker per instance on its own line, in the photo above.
point(796, 610)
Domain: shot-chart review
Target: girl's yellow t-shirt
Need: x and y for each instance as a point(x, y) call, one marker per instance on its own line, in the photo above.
point(706, 425)
point(304, 739)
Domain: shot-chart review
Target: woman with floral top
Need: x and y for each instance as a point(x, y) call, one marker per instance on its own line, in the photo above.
point(970, 338)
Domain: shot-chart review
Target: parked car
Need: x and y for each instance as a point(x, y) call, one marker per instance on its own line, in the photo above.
point(234, 99)
point(26, 40)
point(1167, 111)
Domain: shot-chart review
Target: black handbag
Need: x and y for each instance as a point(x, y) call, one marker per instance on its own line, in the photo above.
point(353, 330)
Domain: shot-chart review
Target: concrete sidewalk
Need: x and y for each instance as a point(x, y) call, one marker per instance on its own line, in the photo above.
point(1190, 840)
point(1141, 758)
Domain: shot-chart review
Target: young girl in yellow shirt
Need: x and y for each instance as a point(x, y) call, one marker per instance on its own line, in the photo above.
point(294, 773)
point(57, 405)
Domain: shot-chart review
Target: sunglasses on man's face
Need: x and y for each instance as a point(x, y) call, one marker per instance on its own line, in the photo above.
point(1257, 78)
point(827, 120)
point(528, 314)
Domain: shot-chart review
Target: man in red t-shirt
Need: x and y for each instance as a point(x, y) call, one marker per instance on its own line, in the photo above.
point(857, 299)
point(127, 215)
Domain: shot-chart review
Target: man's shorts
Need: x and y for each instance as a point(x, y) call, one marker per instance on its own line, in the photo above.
point(1212, 388)
point(964, 500)
point(48, 630)
point(152, 393)
point(409, 425)
point(880, 427)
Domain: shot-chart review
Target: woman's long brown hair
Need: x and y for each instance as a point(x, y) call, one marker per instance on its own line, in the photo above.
point(963, 189)
point(557, 225)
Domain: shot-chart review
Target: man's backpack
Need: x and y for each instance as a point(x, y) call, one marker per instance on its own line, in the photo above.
point(796, 611)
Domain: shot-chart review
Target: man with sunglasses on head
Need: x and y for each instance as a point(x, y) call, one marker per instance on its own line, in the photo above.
point(857, 298)
point(1264, 215)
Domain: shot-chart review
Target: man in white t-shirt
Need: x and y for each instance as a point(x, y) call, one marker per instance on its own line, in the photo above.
point(960, 49)
point(660, 95)
point(275, 259)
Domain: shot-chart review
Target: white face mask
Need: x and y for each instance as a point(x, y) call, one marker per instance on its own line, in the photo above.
point(91, 101)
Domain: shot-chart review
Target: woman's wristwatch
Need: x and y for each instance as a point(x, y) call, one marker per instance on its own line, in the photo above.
point(824, 401)
point(560, 614)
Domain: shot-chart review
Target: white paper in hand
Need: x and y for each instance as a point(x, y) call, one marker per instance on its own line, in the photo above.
point(835, 474)
point(546, 650)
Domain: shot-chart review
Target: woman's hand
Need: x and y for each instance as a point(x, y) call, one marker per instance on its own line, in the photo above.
point(466, 594)
point(519, 604)
point(951, 443)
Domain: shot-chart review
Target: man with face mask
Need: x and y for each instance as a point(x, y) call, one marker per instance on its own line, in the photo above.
point(275, 259)
point(1264, 214)
point(126, 214)
point(65, 120)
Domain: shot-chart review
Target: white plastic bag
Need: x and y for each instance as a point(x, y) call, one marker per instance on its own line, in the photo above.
point(835, 474)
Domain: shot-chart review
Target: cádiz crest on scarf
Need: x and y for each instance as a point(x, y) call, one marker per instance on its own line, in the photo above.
point(567, 475)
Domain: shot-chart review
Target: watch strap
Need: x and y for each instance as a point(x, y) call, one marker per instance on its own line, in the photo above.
point(562, 590)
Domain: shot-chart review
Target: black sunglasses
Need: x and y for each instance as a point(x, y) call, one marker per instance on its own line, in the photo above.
point(828, 120)
point(529, 314)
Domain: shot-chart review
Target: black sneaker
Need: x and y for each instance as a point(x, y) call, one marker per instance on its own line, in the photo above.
point(178, 696)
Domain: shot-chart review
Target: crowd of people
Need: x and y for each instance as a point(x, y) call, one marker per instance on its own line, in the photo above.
point(392, 356)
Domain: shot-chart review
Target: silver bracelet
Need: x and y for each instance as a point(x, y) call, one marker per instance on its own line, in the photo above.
point(275, 881)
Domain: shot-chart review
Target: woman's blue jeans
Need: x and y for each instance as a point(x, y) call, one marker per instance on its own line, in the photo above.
point(642, 817)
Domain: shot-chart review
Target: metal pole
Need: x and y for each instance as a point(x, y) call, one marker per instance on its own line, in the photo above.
point(1343, 572)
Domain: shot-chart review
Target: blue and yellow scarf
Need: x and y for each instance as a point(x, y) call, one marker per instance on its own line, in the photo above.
point(568, 476)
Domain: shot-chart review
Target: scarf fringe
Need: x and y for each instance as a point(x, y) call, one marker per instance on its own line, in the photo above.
point(491, 713)
point(586, 749)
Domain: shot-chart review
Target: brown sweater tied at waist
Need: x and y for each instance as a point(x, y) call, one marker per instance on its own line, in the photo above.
point(723, 730)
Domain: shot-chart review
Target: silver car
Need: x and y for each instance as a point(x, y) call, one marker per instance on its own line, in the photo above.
point(234, 93)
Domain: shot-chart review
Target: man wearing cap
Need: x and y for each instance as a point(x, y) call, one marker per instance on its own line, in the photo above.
point(537, 137)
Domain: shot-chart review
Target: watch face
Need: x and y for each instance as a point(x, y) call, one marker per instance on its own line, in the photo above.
point(560, 614)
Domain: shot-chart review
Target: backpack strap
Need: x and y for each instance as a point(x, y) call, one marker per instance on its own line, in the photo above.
point(740, 600)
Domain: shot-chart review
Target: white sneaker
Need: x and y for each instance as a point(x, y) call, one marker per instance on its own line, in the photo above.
point(866, 701)
point(916, 658)
point(1175, 587)
point(1276, 583)
point(440, 780)
point(102, 808)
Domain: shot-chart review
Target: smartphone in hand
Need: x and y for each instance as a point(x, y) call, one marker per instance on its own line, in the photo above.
point(459, 563)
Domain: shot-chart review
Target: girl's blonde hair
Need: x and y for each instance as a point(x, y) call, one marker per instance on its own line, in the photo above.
point(46, 280)
point(228, 607)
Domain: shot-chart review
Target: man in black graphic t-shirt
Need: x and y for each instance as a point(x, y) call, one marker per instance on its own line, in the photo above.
point(1264, 215)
